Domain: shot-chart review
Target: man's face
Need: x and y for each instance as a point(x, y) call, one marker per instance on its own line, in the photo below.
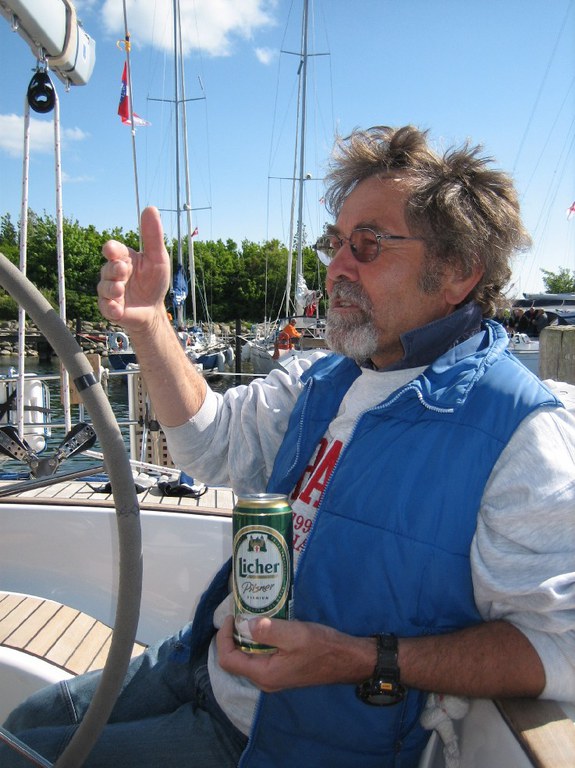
point(372, 304)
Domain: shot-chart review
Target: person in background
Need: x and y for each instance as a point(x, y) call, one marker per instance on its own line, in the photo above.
point(541, 321)
point(531, 316)
point(519, 322)
point(430, 475)
point(288, 335)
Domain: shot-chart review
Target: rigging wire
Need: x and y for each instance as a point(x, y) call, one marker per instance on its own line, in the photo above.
point(541, 87)
point(549, 203)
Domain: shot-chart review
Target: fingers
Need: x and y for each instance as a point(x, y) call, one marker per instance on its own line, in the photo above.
point(152, 241)
point(114, 275)
point(132, 285)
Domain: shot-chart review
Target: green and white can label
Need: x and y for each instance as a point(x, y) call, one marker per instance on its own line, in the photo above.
point(262, 563)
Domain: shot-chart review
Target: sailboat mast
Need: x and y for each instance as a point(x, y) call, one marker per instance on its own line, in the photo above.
point(188, 202)
point(180, 310)
point(303, 75)
point(292, 208)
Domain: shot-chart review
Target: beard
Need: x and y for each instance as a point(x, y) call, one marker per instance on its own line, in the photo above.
point(353, 336)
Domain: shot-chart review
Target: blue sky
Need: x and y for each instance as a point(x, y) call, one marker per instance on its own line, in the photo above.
point(496, 72)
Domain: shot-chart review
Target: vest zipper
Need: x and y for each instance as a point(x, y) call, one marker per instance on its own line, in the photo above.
point(381, 406)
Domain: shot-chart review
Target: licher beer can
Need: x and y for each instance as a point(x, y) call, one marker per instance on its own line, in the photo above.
point(262, 563)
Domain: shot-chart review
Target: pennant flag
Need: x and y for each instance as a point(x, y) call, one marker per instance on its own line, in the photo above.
point(195, 232)
point(124, 105)
point(571, 210)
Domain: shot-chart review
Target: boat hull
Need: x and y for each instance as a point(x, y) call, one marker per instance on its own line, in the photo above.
point(69, 553)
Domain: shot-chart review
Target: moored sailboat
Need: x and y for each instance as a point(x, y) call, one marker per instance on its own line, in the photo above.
point(300, 302)
point(183, 549)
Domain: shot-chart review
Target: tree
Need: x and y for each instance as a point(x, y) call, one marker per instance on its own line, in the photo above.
point(246, 282)
point(9, 239)
point(559, 282)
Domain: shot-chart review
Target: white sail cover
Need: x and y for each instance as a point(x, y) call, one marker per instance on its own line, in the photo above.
point(301, 293)
point(51, 28)
point(306, 299)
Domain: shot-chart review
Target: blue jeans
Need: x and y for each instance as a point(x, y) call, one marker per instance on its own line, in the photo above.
point(166, 714)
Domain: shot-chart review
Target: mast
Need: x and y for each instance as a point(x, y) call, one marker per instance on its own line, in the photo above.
point(181, 141)
point(299, 175)
point(298, 178)
point(303, 75)
point(188, 202)
point(180, 309)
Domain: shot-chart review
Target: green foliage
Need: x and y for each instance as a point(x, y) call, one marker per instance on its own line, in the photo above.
point(559, 282)
point(8, 307)
point(246, 282)
point(9, 239)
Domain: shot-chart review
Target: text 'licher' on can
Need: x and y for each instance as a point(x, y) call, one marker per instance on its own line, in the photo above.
point(262, 562)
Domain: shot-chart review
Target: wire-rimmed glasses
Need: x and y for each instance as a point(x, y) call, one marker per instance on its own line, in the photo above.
point(364, 243)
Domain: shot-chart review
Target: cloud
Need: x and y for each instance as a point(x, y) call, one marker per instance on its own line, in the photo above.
point(265, 55)
point(209, 26)
point(67, 179)
point(41, 135)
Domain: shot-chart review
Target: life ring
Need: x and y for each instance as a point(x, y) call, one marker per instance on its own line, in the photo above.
point(36, 408)
point(283, 341)
point(118, 341)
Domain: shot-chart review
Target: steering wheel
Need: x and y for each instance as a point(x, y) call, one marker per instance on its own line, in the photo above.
point(125, 500)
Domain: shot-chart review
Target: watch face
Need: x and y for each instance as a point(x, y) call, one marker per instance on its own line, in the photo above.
point(380, 693)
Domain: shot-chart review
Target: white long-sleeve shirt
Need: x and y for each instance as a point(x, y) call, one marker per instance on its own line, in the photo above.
point(523, 551)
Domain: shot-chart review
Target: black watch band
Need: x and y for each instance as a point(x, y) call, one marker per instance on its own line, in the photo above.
point(383, 687)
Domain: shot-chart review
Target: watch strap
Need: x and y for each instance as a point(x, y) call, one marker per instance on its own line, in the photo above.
point(386, 665)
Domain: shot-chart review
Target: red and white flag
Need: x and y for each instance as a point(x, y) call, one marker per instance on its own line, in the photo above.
point(124, 105)
point(195, 232)
point(571, 210)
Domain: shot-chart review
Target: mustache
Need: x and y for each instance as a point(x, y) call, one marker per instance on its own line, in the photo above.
point(352, 292)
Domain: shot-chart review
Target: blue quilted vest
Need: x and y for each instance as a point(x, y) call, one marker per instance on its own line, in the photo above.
point(389, 549)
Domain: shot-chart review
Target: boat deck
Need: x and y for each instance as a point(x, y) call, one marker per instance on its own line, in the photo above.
point(58, 633)
point(54, 632)
point(216, 500)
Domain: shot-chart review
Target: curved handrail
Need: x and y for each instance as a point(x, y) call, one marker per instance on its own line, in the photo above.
point(126, 501)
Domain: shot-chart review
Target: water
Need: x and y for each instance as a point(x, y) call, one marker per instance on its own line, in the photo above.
point(117, 390)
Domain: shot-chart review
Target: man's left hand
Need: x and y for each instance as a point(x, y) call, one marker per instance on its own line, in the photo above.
point(307, 654)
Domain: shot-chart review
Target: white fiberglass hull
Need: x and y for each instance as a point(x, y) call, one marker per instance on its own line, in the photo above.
point(69, 553)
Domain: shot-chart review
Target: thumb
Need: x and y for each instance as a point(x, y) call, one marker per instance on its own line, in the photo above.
point(274, 632)
point(152, 234)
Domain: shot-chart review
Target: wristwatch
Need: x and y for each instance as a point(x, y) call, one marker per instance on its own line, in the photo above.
point(383, 687)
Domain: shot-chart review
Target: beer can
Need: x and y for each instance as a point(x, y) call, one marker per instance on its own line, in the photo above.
point(262, 562)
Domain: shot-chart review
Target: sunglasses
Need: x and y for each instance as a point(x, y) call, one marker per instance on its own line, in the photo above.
point(364, 244)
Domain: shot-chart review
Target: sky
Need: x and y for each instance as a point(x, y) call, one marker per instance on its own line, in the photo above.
point(500, 73)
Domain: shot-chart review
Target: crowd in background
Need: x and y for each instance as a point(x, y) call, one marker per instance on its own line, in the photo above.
point(530, 321)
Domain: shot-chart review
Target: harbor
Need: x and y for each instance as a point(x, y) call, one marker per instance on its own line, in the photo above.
point(108, 547)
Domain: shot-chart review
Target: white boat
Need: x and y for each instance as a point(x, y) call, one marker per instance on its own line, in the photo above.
point(265, 354)
point(525, 349)
point(79, 570)
point(61, 545)
point(211, 355)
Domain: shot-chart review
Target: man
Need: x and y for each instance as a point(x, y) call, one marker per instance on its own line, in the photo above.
point(430, 474)
point(541, 321)
point(288, 335)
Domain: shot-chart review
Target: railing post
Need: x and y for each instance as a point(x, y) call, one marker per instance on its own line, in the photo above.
point(557, 353)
